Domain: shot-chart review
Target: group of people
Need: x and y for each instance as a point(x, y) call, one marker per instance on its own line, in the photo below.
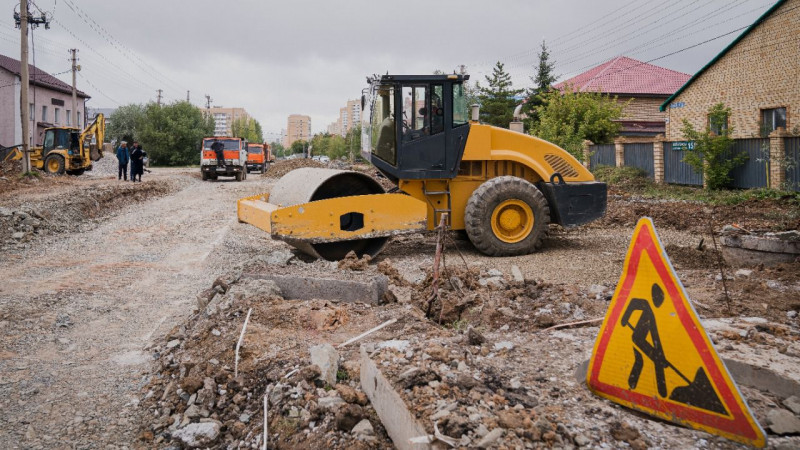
point(135, 156)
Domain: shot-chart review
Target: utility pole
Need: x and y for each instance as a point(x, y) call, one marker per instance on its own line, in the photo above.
point(24, 79)
point(74, 118)
point(208, 101)
point(187, 97)
point(159, 96)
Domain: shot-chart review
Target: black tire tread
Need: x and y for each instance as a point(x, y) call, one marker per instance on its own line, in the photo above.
point(478, 213)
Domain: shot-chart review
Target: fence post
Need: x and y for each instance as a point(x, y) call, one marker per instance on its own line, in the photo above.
point(619, 149)
point(658, 158)
point(587, 153)
point(777, 157)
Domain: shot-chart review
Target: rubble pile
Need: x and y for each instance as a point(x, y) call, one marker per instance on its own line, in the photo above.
point(282, 167)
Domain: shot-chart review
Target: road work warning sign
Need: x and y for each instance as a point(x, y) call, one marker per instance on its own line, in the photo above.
point(653, 355)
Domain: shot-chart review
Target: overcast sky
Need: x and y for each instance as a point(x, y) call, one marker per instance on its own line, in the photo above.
point(276, 58)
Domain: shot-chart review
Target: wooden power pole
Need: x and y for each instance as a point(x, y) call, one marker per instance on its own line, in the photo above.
point(74, 118)
point(159, 96)
point(24, 78)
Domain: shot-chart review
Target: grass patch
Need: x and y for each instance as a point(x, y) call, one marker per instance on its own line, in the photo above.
point(636, 181)
point(32, 174)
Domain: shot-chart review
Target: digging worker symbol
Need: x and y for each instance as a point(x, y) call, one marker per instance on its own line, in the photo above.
point(699, 393)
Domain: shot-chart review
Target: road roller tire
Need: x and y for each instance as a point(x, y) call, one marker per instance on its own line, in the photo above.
point(507, 216)
point(54, 164)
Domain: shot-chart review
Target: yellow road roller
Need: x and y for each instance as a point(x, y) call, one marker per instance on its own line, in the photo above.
point(503, 187)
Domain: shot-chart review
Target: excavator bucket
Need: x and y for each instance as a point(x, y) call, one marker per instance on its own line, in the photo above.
point(327, 213)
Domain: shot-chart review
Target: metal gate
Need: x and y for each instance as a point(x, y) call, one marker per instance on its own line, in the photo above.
point(793, 163)
point(603, 155)
point(754, 173)
point(641, 156)
point(675, 170)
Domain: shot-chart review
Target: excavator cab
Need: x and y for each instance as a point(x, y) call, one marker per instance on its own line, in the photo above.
point(62, 139)
point(418, 125)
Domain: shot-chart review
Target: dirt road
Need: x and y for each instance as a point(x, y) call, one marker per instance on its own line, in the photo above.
point(79, 309)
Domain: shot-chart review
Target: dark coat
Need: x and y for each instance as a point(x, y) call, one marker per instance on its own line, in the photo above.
point(137, 161)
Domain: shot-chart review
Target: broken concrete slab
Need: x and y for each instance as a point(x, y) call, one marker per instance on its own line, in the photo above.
point(326, 358)
point(751, 250)
point(297, 287)
point(400, 424)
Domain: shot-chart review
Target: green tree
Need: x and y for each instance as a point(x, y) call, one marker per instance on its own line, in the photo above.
point(124, 123)
point(568, 118)
point(247, 128)
point(277, 149)
point(497, 99)
point(710, 154)
point(542, 84)
point(298, 146)
point(172, 134)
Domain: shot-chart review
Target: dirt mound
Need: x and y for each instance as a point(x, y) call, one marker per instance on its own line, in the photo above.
point(78, 204)
point(284, 166)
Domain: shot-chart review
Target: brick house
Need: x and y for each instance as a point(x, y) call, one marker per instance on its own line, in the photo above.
point(646, 87)
point(757, 76)
point(51, 105)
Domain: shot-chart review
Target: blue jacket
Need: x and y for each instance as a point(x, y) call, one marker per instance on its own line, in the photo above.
point(122, 155)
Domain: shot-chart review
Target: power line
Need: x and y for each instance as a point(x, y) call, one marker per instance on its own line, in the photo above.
point(98, 90)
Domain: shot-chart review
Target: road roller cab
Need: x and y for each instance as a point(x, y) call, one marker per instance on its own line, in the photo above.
point(504, 188)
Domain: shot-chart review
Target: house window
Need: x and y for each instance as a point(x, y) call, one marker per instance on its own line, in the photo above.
point(57, 116)
point(32, 112)
point(79, 120)
point(771, 119)
point(44, 113)
point(69, 117)
point(718, 123)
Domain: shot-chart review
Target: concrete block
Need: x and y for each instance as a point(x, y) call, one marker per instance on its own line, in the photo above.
point(400, 424)
point(298, 287)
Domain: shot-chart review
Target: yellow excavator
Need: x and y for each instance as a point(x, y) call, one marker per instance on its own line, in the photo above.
point(502, 187)
point(66, 149)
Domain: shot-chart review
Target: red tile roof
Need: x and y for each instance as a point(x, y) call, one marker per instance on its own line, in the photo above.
point(623, 75)
point(38, 76)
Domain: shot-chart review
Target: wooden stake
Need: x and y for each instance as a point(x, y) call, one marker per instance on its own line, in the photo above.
point(437, 257)
point(239, 344)
point(384, 324)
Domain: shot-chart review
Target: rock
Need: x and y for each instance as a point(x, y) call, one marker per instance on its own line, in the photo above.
point(490, 438)
point(517, 274)
point(438, 353)
point(781, 422)
point(348, 416)
point(418, 377)
point(401, 293)
point(791, 314)
point(351, 395)
point(205, 297)
point(5, 212)
point(493, 282)
point(280, 257)
point(506, 311)
point(198, 434)
point(581, 440)
point(244, 418)
point(772, 284)
point(503, 345)
point(259, 288)
point(474, 337)
point(173, 343)
point(19, 235)
point(191, 384)
point(310, 373)
point(622, 431)
point(513, 419)
point(394, 344)
point(743, 273)
point(793, 403)
point(494, 273)
point(326, 358)
point(330, 402)
point(364, 431)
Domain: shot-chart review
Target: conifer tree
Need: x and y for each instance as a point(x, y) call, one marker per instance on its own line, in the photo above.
point(497, 99)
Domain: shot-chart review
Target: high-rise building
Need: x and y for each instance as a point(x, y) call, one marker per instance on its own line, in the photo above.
point(298, 128)
point(224, 118)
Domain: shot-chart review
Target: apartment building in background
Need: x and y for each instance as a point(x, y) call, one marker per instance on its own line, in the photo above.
point(224, 118)
point(349, 117)
point(298, 128)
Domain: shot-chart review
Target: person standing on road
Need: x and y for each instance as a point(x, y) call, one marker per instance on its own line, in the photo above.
point(123, 157)
point(137, 162)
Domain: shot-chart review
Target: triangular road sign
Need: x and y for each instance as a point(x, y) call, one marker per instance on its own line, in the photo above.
point(653, 355)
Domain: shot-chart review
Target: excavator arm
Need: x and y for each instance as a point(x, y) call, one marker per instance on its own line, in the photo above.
point(96, 129)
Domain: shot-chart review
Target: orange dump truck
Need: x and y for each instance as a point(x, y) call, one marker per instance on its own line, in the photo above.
point(232, 162)
point(257, 157)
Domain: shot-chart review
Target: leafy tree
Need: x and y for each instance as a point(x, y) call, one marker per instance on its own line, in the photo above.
point(247, 128)
point(298, 146)
point(277, 149)
point(124, 123)
point(568, 118)
point(710, 154)
point(172, 134)
point(542, 83)
point(497, 99)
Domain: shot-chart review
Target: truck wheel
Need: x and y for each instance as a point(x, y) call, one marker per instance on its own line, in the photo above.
point(507, 216)
point(264, 168)
point(54, 164)
point(204, 175)
point(238, 176)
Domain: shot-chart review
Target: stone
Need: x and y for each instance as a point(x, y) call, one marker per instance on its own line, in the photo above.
point(474, 337)
point(772, 284)
point(622, 431)
point(351, 395)
point(438, 353)
point(493, 282)
point(326, 358)
point(793, 403)
point(401, 293)
point(490, 438)
point(330, 402)
point(517, 274)
point(5, 212)
point(173, 343)
point(394, 344)
point(364, 431)
point(244, 418)
point(743, 273)
point(581, 440)
point(791, 314)
point(781, 422)
point(196, 435)
point(19, 235)
point(494, 273)
point(348, 416)
point(310, 373)
point(506, 311)
point(503, 345)
point(191, 384)
point(280, 257)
